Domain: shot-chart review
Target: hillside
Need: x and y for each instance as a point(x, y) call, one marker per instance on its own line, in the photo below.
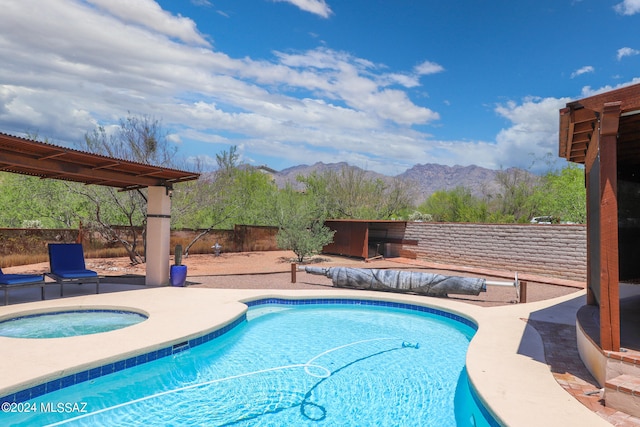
point(425, 179)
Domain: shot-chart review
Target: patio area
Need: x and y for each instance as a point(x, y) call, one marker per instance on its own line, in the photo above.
point(546, 340)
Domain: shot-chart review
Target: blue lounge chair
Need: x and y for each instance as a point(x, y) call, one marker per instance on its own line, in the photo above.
point(10, 281)
point(66, 261)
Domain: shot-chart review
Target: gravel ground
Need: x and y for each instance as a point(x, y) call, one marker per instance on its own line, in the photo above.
point(272, 270)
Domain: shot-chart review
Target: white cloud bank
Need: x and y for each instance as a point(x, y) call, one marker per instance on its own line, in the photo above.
point(69, 65)
point(149, 14)
point(86, 64)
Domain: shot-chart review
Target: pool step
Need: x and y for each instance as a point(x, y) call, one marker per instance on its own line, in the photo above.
point(623, 394)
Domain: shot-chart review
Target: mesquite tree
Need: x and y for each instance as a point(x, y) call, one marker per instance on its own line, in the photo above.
point(136, 138)
point(301, 224)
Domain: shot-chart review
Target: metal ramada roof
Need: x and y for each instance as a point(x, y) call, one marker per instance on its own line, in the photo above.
point(28, 157)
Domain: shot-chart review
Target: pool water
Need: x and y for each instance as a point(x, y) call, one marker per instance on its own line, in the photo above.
point(304, 365)
point(68, 323)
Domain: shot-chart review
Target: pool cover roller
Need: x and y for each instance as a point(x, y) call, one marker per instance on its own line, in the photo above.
point(429, 284)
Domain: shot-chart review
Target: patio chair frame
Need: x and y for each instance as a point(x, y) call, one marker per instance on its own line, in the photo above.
point(12, 281)
point(62, 276)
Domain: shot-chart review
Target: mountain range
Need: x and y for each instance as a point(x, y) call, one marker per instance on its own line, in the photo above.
point(424, 179)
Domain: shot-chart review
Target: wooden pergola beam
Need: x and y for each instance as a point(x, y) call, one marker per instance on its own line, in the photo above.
point(53, 168)
point(577, 125)
point(44, 160)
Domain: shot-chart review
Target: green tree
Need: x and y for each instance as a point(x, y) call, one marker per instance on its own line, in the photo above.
point(140, 139)
point(207, 203)
point(562, 194)
point(515, 202)
point(49, 203)
point(457, 205)
point(257, 193)
point(350, 193)
point(418, 216)
point(233, 194)
point(301, 224)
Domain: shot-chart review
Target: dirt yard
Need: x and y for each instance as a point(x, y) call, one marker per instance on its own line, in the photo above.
point(272, 270)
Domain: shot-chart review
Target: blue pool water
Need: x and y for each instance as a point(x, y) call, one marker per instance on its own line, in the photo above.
point(288, 365)
point(68, 323)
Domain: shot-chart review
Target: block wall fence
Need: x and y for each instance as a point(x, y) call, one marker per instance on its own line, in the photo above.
point(547, 250)
point(243, 238)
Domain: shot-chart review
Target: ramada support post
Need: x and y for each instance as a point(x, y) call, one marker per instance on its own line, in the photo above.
point(158, 236)
point(609, 270)
point(592, 242)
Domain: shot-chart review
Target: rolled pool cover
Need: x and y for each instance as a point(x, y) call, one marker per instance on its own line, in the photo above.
point(435, 285)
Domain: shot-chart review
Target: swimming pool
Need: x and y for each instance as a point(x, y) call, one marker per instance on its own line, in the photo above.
point(372, 365)
point(60, 324)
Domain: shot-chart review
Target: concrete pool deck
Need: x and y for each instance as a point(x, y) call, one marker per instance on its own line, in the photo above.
point(506, 359)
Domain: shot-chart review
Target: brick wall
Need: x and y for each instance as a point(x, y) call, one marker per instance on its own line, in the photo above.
point(547, 250)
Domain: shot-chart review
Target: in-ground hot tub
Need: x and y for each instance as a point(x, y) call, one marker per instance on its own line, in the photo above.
point(68, 323)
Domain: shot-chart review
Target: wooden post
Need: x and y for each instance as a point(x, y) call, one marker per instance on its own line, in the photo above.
point(523, 292)
point(609, 276)
point(294, 268)
point(593, 194)
point(80, 237)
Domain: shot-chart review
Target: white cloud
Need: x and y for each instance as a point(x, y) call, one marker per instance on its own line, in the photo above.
point(342, 77)
point(533, 130)
point(149, 14)
point(627, 51)
point(428, 67)
point(589, 91)
point(401, 79)
point(534, 124)
point(60, 78)
point(531, 135)
point(628, 7)
point(583, 70)
point(318, 7)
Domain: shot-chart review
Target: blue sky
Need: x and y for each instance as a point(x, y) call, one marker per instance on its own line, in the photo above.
point(380, 84)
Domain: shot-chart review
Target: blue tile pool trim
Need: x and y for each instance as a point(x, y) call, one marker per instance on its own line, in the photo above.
point(378, 303)
point(90, 374)
point(53, 313)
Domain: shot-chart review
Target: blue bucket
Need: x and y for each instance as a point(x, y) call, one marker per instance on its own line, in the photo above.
point(178, 275)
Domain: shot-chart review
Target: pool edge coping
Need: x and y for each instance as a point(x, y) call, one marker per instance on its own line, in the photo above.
point(94, 372)
point(491, 357)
